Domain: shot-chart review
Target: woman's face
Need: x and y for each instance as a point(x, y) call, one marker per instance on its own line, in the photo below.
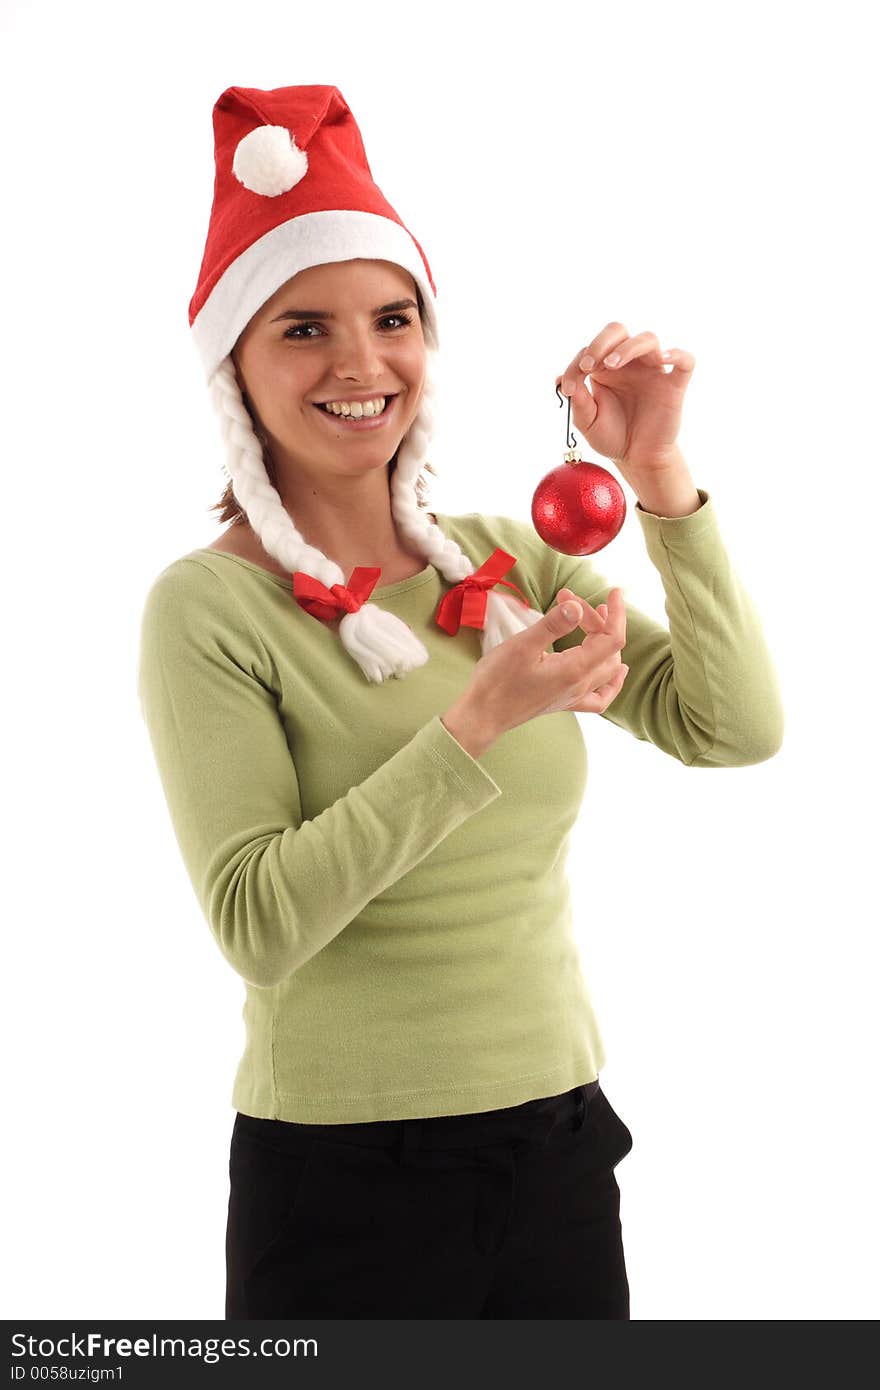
point(331, 334)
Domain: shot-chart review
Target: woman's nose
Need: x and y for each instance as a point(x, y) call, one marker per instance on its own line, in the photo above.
point(359, 359)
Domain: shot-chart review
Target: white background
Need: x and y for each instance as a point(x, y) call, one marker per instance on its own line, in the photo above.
point(702, 172)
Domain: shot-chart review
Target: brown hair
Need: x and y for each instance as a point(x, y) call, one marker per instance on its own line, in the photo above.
point(229, 508)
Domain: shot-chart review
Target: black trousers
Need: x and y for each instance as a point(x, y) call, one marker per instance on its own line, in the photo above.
point(510, 1213)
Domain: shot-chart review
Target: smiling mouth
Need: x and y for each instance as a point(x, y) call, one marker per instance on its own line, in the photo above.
point(355, 421)
point(386, 396)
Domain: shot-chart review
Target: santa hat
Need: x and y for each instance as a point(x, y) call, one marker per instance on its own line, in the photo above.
point(293, 189)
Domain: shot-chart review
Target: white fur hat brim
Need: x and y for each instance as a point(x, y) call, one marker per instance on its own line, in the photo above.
point(314, 238)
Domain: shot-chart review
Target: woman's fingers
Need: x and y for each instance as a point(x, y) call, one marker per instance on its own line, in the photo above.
point(591, 620)
point(614, 683)
point(598, 619)
point(598, 700)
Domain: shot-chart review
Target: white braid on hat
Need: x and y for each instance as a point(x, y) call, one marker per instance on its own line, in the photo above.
point(381, 643)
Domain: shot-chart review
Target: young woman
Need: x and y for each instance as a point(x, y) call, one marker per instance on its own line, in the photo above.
point(363, 719)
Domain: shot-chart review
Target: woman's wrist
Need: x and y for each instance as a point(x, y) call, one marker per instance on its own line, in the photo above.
point(466, 729)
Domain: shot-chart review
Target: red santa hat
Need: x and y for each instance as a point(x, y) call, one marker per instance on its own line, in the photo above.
point(293, 189)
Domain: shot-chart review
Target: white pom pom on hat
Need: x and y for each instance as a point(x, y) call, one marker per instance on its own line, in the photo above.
point(268, 161)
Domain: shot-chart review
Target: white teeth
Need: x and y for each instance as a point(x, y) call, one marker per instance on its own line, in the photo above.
point(356, 409)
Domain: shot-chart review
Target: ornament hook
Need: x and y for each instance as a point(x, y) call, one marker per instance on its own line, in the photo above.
point(570, 436)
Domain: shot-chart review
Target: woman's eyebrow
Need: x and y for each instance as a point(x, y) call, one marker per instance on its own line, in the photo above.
point(323, 314)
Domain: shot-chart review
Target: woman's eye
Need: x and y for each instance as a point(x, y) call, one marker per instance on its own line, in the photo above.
point(403, 319)
point(299, 328)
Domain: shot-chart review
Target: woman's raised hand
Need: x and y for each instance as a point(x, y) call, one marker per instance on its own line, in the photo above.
point(632, 411)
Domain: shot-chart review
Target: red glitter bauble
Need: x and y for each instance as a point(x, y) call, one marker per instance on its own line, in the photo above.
point(578, 508)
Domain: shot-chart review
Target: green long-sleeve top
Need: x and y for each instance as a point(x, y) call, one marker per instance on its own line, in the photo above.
point(400, 911)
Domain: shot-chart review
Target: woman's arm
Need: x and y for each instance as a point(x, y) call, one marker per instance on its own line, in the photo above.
point(276, 888)
point(705, 691)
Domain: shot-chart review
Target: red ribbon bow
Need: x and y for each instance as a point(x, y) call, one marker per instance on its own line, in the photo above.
point(465, 605)
point(339, 599)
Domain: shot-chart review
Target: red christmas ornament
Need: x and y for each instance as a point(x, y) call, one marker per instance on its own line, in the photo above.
point(579, 507)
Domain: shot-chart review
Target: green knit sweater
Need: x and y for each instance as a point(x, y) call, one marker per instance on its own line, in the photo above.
point(399, 911)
